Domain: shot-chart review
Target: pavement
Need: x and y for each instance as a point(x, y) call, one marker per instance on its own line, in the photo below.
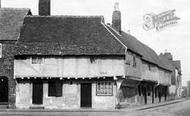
point(123, 109)
point(155, 105)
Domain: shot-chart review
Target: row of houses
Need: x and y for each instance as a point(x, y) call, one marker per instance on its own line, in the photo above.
point(71, 62)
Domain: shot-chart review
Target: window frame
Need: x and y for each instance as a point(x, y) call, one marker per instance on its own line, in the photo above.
point(55, 89)
point(37, 62)
point(104, 87)
point(134, 62)
point(149, 67)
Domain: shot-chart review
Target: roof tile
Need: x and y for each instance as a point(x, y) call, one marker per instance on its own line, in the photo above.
point(61, 35)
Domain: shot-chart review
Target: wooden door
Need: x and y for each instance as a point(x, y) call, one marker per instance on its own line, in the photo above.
point(86, 95)
point(153, 89)
point(3, 89)
point(145, 94)
point(37, 93)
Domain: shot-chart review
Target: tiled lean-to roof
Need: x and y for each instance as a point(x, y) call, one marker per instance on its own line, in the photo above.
point(11, 21)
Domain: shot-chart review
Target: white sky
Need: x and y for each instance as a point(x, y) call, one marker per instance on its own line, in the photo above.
point(175, 39)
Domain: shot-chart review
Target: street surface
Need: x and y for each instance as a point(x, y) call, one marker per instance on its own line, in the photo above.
point(175, 109)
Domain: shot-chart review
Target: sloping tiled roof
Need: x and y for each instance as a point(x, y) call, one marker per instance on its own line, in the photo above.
point(172, 64)
point(168, 63)
point(78, 35)
point(67, 35)
point(177, 64)
point(139, 48)
point(11, 20)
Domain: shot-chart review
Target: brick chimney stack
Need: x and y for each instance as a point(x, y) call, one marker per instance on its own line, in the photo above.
point(168, 55)
point(116, 18)
point(44, 7)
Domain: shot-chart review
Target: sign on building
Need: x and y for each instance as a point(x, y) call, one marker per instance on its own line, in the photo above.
point(159, 21)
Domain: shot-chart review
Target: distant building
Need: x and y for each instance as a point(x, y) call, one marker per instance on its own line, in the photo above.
point(176, 79)
point(184, 91)
point(188, 88)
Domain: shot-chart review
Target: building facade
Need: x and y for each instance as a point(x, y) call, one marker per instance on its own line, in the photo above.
point(188, 88)
point(67, 82)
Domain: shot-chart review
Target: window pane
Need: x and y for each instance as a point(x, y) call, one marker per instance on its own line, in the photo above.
point(51, 88)
point(58, 89)
point(55, 88)
point(36, 60)
point(104, 88)
point(134, 61)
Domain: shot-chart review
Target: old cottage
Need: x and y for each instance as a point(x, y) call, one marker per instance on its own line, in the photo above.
point(79, 61)
point(67, 62)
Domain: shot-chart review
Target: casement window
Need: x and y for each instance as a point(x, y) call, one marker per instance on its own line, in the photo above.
point(134, 61)
point(1, 50)
point(54, 89)
point(104, 88)
point(37, 60)
point(149, 67)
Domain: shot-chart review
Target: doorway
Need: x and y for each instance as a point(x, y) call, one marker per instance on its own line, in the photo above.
point(37, 93)
point(86, 95)
point(145, 94)
point(3, 90)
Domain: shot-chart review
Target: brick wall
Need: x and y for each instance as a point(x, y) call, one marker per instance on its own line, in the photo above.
point(6, 69)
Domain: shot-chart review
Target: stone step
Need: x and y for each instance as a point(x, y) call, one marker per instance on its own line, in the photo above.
point(3, 106)
point(37, 107)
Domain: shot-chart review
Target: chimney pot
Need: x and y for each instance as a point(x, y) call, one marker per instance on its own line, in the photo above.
point(116, 6)
point(116, 18)
point(168, 55)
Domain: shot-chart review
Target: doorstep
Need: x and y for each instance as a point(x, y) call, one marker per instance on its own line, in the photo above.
point(3, 105)
point(36, 107)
